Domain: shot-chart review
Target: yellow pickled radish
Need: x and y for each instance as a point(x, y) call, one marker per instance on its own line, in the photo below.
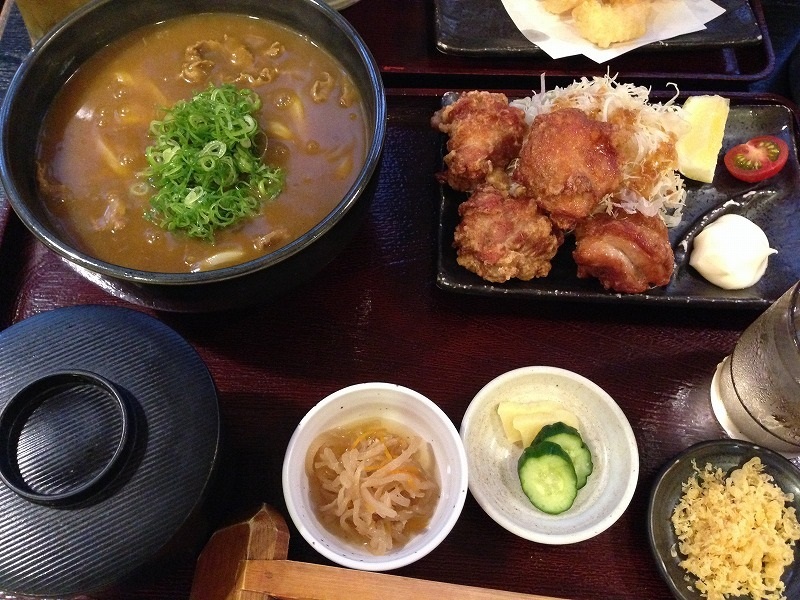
point(530, 425)
point(523, 420)
point(698, 149)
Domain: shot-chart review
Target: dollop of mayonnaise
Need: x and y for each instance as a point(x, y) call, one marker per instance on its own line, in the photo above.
point(731, 252)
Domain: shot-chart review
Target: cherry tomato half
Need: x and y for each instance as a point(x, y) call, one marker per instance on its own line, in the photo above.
point(757, 159)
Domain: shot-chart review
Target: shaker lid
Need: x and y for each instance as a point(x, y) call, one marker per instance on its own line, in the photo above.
point(109, 433)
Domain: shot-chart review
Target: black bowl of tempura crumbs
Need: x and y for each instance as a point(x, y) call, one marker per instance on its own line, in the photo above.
point(723, 520)
point(195, 156)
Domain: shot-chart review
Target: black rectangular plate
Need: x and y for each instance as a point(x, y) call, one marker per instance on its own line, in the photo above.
point(483, 27)
point(773, 204)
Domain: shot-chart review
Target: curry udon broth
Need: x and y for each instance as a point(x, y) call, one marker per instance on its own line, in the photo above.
point(93, 140)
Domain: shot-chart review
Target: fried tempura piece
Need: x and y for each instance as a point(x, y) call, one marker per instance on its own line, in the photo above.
point(502, 237)
point(626, 252)
point(560, 6)
point(605, 22)
point(568, 164)
point(485, 134)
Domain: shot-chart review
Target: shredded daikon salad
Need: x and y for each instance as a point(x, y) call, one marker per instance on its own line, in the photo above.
point(736, 533)
point(373, 485)
point(645, 137)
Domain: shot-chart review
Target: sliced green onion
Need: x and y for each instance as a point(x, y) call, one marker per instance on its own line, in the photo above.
point(203, 163)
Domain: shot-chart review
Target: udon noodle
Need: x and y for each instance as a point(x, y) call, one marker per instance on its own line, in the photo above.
point(373, 484)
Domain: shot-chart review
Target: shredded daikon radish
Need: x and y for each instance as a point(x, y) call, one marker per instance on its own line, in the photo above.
point(736, 533)
point(646, 136)
point(371, 482)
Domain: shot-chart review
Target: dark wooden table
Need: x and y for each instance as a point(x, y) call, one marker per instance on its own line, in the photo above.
point(375, 313)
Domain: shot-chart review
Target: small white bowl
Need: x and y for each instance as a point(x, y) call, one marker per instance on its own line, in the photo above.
point(404, 406)
point(492, 459)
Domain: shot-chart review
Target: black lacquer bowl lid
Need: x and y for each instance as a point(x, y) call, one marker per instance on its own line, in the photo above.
point(109, 436)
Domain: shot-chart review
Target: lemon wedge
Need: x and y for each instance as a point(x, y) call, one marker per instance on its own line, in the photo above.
point(698, 148)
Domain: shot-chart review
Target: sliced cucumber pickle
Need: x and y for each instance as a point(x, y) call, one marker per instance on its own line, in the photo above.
point(548, 477)
point(572, 443)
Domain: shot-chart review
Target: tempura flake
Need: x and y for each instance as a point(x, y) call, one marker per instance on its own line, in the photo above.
point(736, 534)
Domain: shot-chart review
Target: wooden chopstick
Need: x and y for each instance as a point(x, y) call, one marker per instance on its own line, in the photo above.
point(291, 580)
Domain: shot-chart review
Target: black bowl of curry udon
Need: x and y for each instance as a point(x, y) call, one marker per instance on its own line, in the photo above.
point(92, 88)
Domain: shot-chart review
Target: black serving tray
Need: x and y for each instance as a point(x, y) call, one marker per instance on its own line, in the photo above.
point(484, 28)
point(773, 204)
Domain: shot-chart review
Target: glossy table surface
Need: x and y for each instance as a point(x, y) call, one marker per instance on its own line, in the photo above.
point(375, 313)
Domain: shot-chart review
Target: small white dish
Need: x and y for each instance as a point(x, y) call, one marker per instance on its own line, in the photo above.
point(408, 408)
point(492, 459)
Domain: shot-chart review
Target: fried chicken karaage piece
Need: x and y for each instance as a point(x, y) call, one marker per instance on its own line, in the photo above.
point(485, 134)
point(568, 164)
point(502, 237)
point(626, 252)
